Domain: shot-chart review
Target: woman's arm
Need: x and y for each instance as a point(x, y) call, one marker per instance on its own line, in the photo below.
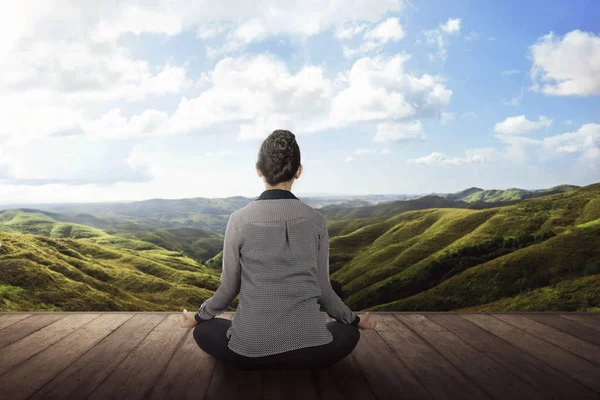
point(230, 275)
point(331, 302)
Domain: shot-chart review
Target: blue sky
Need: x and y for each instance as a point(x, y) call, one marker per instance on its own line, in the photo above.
point(135, 100)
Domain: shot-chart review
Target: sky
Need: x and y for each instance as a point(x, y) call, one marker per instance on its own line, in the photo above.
point(135, 100)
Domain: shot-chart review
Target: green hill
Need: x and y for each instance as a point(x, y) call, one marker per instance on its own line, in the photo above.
point(445, 259)
point(199, 244)
point(48, 273)
point(425, 254)
point(475, 194)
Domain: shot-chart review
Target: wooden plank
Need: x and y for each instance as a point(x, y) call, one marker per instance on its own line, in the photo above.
point(21, 350)
point(228, 382)
point(538, 374)
point(327, 388)
point(440, 377)
point(349, 379)
point(574, 366)
point(10, 318)
point(27, 326)
point(136, 374)
point(571, 327)
point(25, 378)
point(289, 384)
point(187, 374)
point(326, 381)
point(85, 374)
point(561, 339)
point(584, 320)
point(387, 375)
point(490, 376)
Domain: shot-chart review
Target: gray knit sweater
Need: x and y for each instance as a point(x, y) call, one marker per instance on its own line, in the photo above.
point(276, 254)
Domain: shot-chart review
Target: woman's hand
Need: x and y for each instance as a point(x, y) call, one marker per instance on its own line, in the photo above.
point(188, 319)
point(366, 323)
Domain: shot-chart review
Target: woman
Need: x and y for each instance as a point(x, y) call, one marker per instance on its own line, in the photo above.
point(276, 254)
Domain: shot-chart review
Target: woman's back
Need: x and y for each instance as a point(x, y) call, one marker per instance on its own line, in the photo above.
point(282, 249)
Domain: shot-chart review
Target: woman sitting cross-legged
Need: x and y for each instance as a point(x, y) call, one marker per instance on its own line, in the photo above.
point(276, 256)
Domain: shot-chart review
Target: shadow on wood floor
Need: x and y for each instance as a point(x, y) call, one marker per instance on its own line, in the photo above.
point(420, 355)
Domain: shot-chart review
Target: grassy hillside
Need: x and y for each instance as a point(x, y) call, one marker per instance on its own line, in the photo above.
point(48, 273)
point(199, 244)
point(474, 194)
point(391, 208)
point(446, 258)
point(423, 254)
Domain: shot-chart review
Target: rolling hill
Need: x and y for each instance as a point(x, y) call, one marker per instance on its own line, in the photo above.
point(449, 258)
point(428, 253)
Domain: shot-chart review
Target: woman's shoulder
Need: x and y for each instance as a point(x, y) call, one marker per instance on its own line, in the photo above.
point(302, 210)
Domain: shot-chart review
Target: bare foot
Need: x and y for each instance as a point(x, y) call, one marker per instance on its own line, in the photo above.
point(188, 319)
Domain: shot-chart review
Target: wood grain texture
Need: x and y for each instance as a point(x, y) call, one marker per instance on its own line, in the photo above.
point(434, 372)
point(483, 371)
point(538, 374)
point(80, 378)
point(8, 319)
point(569, 364)
point(429, 355)
point(136, 374)
point(557, 337)
point(24, 379)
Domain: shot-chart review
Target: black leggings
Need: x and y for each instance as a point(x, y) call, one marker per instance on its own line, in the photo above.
point(210, 336)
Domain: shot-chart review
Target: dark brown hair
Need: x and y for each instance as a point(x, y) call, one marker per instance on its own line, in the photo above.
point(279, 157)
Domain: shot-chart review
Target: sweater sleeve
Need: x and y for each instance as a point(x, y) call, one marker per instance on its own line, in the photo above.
point(230, 275)
point(331, 302)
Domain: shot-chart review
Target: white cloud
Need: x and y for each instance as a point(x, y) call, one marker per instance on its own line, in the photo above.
point(253, 30)
point(520, 124)
point(438, 36)
point(113, 125)
point(257, 94)
point(349, 30)
point(446, 117)
point(63, 60)
point(385, 151)
point(511, 72)
point(515, 101)
point(213, 29)
point(379, 89)
point(278, 16)
point(451, 26)
point(567, 66)
point(349, 158)
point(389, 30)
point(586, 138)
point(585, 142)
point(568, 122)
point(472, 156)
point(394, 132)
point(222, 153)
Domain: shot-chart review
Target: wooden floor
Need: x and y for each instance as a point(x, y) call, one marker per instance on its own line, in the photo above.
point(131, 355)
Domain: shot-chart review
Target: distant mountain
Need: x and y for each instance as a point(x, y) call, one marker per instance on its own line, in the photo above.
point(425, 254)
point(475, 194)
point(42, 273)
point(199, 244)
point(389, 208)
point(442, 258)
